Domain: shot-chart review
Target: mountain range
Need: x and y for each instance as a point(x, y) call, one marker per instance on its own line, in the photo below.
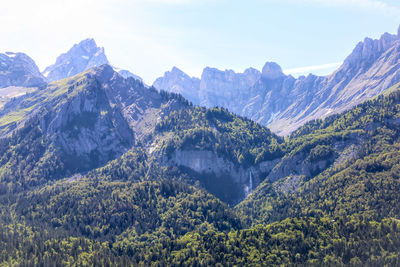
point(96, 116)
point(19, 74)
point(282, 102)
point(18, 69)
point(98, 169)
point(80, 57)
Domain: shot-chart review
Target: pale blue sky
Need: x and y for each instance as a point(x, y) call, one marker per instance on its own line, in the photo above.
point(149, 37)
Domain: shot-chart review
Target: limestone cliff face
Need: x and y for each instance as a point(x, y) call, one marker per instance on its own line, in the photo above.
point(215, 88)
point(89, 119)
point(141, 107)
point(283, 103)
point(87, 129)
point(82, 120)
point(233, 182)
point(371, 68)
point(127, 74)
point(207, 163)
point(176, 81)
point(219, 88)
point(17, 69)
point(82, 56)
point(299, 167)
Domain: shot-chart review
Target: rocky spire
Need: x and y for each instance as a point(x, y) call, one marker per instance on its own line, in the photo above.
point(272, 71)
point(80, 57)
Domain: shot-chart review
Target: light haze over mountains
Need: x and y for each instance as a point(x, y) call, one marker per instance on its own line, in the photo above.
point(269, 97)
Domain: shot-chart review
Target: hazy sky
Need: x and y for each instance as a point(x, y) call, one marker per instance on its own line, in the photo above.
point(149, 37)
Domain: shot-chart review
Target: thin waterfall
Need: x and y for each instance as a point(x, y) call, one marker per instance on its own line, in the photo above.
point(248, 188)
point(251, 182)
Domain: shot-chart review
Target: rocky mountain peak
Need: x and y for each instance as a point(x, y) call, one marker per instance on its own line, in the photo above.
point(18, 69)
point(127, 74)
point(102, 73)
point(252, 75)
point(215, 75)
point(80, 57)
point(88, 44)
point(370, 49)
point(272, 71)
point(283, 102)
point(177, 71)
point(209, 72)
point(386, 41)
point(175, 75)
point(251, 71)
point(176, 81)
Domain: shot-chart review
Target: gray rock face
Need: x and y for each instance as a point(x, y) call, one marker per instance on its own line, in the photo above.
point(141, 107)
point(176, 81)
point(127, 74)
point(89, 119)
point(17, 69)
point(371, 68)
point(208, 163)
point(88, 129)
point(80, 57)
point(216, 88)
point(272, 71)
point(284, 103)
point(219, 88)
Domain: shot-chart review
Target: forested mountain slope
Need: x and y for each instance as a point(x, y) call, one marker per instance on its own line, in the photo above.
point(77, 124)
point(362, 178)
point(101, 170)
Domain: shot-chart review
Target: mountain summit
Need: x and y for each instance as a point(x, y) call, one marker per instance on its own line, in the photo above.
point(80, 57)
point(17, 69)
point(179, 82)
point(272, 71)
point(284, 103)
